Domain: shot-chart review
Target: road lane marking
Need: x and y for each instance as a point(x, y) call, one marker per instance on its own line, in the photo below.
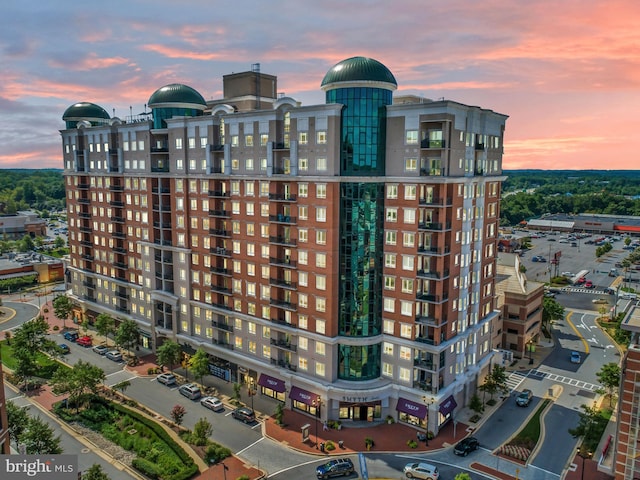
point(249, 446)
point(585, 343)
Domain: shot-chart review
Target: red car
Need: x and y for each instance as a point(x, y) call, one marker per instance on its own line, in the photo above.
point(581, 280)
point(85, 341)
point(589, 284)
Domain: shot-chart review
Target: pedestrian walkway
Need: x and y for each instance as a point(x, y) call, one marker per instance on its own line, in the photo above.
point(539, 374)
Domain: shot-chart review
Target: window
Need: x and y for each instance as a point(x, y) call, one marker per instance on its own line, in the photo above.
point(390, 237)
point(303, 190)
point(248, 164)
point(248, 140)
point(387, 326)
point(321, 304)
point(303, 138)
point(303, 212)
point(321, 348)
point(405, 353)
point(321, 164)
point(390, 260)
point(411, 164)
point(321, 237)
point(392, 215)
point(321, 282)
point(406, 330)
point(411, 137)
point(407, 285)
point(408, 239)
point(321, 214)
point(389, 305)
point(178, 144)
point(321, 260)
point(321, 190)
point(407, 262)
point(387, 369)
point(320, 369)
point(406, 308)
point(321, 326)
point(192, 142)
point(390, 283)
point(392, 191)
point(303, 235)
point(321, 137)
point(410, 192)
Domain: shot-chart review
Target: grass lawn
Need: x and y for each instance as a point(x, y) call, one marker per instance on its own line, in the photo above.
point(530, 434)
point(47, 365)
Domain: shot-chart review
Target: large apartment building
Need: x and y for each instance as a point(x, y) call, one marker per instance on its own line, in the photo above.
point(340, 256)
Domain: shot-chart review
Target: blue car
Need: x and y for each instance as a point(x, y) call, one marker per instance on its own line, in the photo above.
point(64, 348)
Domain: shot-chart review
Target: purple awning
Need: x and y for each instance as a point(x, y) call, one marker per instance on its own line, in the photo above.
point(448, 405)
point(303, 396)
point(273, 383)
point(411, 408)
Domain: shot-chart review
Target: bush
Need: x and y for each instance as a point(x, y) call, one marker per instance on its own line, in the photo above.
point(216, 453)
point(412, 444)
point(146, 468)
point(329, 446)
point(56, 328)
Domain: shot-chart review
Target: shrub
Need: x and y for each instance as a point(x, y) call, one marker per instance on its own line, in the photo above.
point(146, 468)
point(412, 444)
point(216, 453)
point(329, 446)
point(368, 443)
point(56, 328)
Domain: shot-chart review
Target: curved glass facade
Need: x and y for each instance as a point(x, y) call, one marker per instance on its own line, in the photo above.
point(361, 228)
point(359, 362)
point(161, 115)
point(364, 117)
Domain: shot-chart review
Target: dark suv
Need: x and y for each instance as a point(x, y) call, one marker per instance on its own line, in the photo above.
point(466, 446)
point(335, 468)
point(524, 398)
point(244, 414)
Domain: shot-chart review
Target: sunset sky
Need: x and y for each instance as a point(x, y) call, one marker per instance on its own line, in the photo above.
point(566, 72)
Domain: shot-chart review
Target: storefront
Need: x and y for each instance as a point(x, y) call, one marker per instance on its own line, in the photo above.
point(272, 387)
point(305, 401)
point(412, 413)
point(361, 411)
point(446, 410)
point(145, 340)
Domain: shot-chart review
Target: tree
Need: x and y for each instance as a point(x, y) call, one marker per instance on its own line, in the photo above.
point(62, 308)
point(177, 414)
point(18, 419)
point(127, 334)
point(199, 364)
point(609, 376)
point(169, 353)
point(122, 387)
point(81, 379)
point(58, 242)
point(201, 431)
point(28, 339)
point(38, 438)
point(105, 325)
point(95, 472)
point(551, 310)
point(587, 424)
point(495, 381)
point(476, 404)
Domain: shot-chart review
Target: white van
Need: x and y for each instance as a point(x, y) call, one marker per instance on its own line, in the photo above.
point(191, 391)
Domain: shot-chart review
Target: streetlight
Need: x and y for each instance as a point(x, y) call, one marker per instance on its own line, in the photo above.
point(317, 403)
point(426, 421)
point(224, 470)
point(584, 455)
point(530, 345)
point(252, 392)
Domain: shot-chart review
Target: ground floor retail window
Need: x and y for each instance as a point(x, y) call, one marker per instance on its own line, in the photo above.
point(310, 409)
point(411, 420)
point(360, 411)
point(272, 393)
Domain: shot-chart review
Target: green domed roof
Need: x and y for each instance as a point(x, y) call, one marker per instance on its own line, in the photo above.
point(359, 69)
point(176, 93)
point(85, 110)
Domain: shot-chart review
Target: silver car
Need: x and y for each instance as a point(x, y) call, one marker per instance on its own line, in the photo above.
point(212, 403)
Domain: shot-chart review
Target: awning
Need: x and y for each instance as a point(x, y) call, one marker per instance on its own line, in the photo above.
point(272, 383)
point(448, 406)
point(303, 396)
point(411, 408)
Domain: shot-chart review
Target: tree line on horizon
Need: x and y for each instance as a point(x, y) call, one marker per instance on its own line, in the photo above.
point(527, 194)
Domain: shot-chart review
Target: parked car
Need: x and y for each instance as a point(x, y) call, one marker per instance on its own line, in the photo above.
point(575, 357)
point(191, 391)
point(114, 355)
point(244, 414)
point(466, 446)
point(100, 349)
point(212, 403)
point(85, 341)
point(421, 470)
point(167, 379)
point(71, 336)
point(335, 468)
point(64, 348)
point(524, 398)
point(588, 284)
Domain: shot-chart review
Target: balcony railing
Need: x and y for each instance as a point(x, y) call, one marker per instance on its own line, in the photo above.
point(279, 282)
point(433, 274)
point(219, 233)
point(291, 242)
point(280, 218)
point(284, 345)
point(436, 202)
point(219, 194)
point(284, 197)
point(220, 251)
point(434, 250)
point(222, 326)
point(283, 304)
point(283, 262)
point(438, 144)
point(283, 322)
point(437, 226)
point(219, 213)
point(431, 298)
point(220, 270)
point(221, 289)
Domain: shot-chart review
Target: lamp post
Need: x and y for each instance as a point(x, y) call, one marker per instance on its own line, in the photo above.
point(317, 403)
point(530, 346)
point(426, 421)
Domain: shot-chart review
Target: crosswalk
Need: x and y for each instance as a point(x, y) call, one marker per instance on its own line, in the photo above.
point(515, 379)
point(592, 387)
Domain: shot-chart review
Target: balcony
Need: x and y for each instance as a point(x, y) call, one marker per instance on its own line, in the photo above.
point(282, 262)
point(116, 188)
point(216, 232)
point(220, 251)
point(431, 298)
point(222, 343)
point(160, 149)
point(120, 250)
point(436, 202)
point(83, 186)
point(427, 320)
point(279, 282)
point(284, 345)
point(290, 242)
point(117, 219)
point(84, 215)
point(159, 168)
point(432, 172)
point(90, 298)
point(165, 275)
point(165, 242)
point(433, 274)
point(292, 307)
point(221, 289)
point(89, 284)
point(84, 201)
point(118, 234)
point(434, 250)
point(161, 190)
point(122, 309)
point(166, 259)
point(120, 265)
point(280, 218)
point(220, 270)
point(222, 306)
point(117, 203)
point(86, 243)
point(88, 258)
point(85, 229)
point(434, 226)
point(219, 213)
point(222, 326)
point(426, 364)
point(219, 194)
point(432, 144)
point(216, 147)
point(161, 208)
point(162, 225)
point(281, 146)
point(427, 340)
point(283, 322)
point(123, 295)
point(282, 197)
point(284, 364)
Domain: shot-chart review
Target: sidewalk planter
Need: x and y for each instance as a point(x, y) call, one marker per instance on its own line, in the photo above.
point(368, 443)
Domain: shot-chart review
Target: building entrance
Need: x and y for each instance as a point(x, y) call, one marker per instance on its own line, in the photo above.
point(360, 412)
